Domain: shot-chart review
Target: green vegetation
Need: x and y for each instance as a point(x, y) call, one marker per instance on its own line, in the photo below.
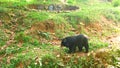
point(116, 3)
point(40, 16)
point(30, 38)
point(113, 14)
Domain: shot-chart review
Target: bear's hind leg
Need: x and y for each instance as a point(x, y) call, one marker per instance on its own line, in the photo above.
point(80, 47)
point(86, 47)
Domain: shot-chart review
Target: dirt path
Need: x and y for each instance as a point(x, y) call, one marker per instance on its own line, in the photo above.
point(114, 41)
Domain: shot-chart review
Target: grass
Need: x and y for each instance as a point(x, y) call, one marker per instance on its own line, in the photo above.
point(50, 60)
point(3, 37)
point(116, 3)
point(44, 55)
point(113, 14)
point(29, 52)
point(38, 16)
point(96, 43)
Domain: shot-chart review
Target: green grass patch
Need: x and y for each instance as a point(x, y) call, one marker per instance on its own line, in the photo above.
point(33, 54)
point(52, 56)
point(116, 3)
point(3, 37)
point(96, 43)
point(113, 14)
point(38, 16)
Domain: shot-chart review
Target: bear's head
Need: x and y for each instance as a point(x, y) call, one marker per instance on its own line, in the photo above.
point(65, 42)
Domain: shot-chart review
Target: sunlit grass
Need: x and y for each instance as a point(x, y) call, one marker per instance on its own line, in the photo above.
point(29, 52)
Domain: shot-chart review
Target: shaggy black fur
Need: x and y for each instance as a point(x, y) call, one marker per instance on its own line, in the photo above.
point(72, 42)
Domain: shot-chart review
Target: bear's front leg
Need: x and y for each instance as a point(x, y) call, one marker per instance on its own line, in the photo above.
point(72, 49)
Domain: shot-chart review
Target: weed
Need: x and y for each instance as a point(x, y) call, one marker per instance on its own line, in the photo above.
point(45, 35)
point(36, 43)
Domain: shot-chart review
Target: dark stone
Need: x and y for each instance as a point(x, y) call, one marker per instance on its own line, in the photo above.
point(51, 7)
point(41, 7)
point(69, 7)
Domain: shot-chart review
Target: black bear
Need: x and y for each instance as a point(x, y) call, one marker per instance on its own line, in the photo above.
point(72, 42)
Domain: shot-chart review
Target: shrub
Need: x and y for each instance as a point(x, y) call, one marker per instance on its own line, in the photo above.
point(116, 3)
point(113, 14)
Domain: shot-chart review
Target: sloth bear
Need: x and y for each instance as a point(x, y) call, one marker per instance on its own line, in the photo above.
point(72, 42)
